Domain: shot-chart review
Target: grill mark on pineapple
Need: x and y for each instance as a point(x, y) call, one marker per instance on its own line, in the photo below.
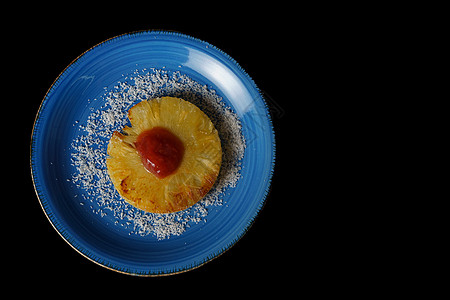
point(208, 183)
point(180, 200)
point(124, 185)
point(186, 195)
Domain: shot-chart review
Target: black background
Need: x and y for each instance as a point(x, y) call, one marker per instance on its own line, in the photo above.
point(264, 43)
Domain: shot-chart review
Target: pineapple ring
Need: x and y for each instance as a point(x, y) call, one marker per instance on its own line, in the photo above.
point(197, 171)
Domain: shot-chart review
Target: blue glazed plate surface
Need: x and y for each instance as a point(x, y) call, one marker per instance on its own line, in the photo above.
point(69, 102)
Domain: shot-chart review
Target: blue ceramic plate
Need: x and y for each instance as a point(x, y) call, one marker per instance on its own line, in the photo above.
point(78, 91)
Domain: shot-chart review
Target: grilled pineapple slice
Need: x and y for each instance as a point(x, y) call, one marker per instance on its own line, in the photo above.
point(190, 181)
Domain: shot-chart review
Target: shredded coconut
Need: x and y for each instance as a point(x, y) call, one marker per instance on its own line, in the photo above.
point(90, 151)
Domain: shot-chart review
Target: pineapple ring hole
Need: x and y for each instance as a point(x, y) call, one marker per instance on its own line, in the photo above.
point(160, 150)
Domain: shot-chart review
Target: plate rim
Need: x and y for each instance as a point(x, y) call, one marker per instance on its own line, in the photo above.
point(150, 272)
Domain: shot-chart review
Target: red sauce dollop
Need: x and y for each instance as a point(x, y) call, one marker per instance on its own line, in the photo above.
point(161, 151)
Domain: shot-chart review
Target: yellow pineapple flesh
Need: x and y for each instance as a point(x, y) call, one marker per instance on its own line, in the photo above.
point(196, 172)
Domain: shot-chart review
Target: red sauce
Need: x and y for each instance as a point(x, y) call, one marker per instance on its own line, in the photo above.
point(161, 151)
